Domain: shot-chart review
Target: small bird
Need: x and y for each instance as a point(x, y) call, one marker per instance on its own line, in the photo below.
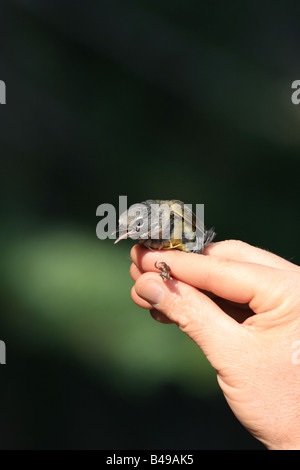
point(164, 225)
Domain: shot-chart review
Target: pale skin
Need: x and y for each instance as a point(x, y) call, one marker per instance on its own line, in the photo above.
point(241, 306)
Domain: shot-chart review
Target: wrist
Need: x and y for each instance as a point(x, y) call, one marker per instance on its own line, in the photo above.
point(284, 444)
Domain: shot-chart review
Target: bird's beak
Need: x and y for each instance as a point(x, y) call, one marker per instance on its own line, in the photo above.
point(121, 237)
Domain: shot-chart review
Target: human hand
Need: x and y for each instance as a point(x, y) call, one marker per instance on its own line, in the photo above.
point(241, 306)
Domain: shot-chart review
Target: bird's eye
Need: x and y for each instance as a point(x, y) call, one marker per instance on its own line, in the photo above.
point(138, 224)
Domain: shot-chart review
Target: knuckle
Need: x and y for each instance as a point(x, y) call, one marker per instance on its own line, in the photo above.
point(235, 244)
point(217, 266)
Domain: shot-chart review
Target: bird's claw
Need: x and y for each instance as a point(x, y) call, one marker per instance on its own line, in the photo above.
point(165, 273)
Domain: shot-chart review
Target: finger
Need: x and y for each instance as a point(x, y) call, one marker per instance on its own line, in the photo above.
point(231, 309)
point(139, 301)
point(195, 313)
point(156, 314)
point(232, 280)
point(135, 272)
point(160, 317)
point(241, 251)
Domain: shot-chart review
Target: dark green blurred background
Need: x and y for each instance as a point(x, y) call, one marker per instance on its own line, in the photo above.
point(149, 99)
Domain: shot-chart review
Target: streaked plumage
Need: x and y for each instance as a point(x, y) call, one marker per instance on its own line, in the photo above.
point(148, 222)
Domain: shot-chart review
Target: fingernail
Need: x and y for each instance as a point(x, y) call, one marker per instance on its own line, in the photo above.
point(152, 292)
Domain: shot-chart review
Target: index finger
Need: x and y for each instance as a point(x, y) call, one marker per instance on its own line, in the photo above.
point(241, 251)
point(237, 281)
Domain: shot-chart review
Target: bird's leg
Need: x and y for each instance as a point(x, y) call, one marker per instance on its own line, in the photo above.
point(165, 273)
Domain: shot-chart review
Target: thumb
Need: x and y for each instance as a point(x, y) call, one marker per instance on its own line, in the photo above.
point(217, 334)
